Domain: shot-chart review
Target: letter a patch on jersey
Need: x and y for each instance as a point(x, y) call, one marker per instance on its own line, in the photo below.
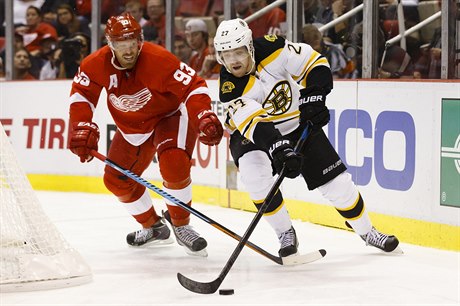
point(113, 81)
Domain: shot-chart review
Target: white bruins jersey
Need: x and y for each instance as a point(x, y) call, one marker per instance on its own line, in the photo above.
point(272, 93)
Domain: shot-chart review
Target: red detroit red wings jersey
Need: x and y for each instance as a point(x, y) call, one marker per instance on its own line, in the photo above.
point(138, 98)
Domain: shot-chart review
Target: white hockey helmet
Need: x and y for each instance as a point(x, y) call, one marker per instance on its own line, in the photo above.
point(233, 34)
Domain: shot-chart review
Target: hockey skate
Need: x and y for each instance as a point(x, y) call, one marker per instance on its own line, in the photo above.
point(386, 243)
point(187, 237)
point(158, 234)
point(289, 243)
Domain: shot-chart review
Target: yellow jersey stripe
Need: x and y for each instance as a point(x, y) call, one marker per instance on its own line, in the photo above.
point(269, 59)
point(249, 85)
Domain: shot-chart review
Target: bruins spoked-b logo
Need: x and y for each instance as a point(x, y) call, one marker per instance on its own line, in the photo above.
point(279, 100)
point(227, 87)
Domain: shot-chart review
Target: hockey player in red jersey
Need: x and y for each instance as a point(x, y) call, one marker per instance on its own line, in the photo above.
point(160, 106)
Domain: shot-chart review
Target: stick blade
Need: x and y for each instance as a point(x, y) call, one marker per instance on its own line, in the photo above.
point(304, 258)
point(197, 287)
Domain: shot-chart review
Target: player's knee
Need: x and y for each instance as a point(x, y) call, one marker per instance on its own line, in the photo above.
point(341, 190)
point(175, 168)
point(256, 173)
point(121, 186)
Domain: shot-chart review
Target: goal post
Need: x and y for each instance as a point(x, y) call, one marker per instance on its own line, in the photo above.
point(34, 254)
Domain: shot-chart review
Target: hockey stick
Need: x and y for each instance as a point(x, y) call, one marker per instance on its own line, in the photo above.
point(294, 261)
point(211, 287)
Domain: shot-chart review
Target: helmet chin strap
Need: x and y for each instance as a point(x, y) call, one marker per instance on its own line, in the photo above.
point(252, 66)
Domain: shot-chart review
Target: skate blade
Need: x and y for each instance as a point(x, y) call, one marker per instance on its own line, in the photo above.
point(201, 253)
point(154, 243)
point(397, 251)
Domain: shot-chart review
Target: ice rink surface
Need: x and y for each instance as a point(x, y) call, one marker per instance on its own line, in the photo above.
point(350, 274)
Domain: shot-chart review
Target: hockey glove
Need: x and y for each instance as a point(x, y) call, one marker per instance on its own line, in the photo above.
point(210, 128)
point(313, 110)
point(282, 153)
point(84, 138)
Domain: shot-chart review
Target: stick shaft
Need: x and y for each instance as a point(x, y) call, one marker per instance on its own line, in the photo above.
point(211, 287)
point(184, 206)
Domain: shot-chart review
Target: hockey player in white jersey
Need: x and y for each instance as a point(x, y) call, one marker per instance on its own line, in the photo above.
point(272, 89)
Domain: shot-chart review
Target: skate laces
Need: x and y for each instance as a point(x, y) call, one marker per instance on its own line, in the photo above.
point(143, 234)
point(375, 238)
point(287, 238)
point(186, 234)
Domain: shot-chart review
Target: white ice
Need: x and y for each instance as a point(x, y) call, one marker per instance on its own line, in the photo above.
point(350, 274)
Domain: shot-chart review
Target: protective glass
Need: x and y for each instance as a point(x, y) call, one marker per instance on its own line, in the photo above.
point(125, 45)
point(236, 55)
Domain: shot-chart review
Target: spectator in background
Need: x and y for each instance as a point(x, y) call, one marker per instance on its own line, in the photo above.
point(22, 65)
point(210, 68)
point(196, 33)
point(332, 9)
point(150, 34)
point(108, 8)
point(411, 18)
point(18, 43)
point(341, 66)
point(157, 18)
point(310, 10)
point(52, 5)
point(136, 9)
point(35, 30)
point(192, 8)
point(396, 63)
point(269, 23)
point(181, 49)
point(74, 50)
point(50, 53)
point(428, 66)
point(49, 9)
point(20, 10)
point(68, 23)
point(242, 8)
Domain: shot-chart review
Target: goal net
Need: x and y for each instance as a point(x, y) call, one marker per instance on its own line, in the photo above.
point(34, 255)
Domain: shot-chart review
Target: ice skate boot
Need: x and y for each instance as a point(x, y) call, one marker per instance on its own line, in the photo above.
point(386, 243)
point(158, 234)
point(289, 243)
point(187, 237)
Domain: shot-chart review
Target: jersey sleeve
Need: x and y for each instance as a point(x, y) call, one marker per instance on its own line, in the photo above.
point(85, 91)
point(300, 59)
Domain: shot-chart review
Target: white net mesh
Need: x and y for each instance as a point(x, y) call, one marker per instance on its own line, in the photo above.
point(34, 254)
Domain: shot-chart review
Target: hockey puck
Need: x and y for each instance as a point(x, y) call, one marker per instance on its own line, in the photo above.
point(226, 291)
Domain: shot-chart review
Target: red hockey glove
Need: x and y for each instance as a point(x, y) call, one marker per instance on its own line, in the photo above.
point(84, 138)
point(210, 128)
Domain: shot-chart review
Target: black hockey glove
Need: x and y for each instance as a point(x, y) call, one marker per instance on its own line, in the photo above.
point(282, 153)
point(313, 110)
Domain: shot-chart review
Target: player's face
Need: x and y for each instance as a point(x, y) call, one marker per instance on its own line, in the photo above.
point(237, 61)
point(126, 52)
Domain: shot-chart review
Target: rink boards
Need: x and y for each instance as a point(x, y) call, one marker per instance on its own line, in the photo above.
point(400, 141)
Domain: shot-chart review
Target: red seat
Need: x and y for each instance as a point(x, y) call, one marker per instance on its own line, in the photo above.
point(2, 43)
point(391, 28)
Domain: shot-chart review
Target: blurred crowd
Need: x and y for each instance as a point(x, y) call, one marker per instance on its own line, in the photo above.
point(53, 36)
